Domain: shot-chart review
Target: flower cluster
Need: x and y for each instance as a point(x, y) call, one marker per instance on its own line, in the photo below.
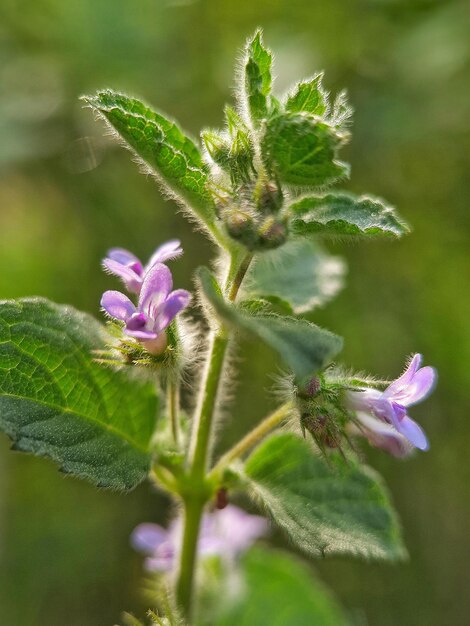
point(224, 533)
point(382, 415)
point(157, 304)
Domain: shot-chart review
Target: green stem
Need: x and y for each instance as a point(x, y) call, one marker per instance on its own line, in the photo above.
point(173, 409)
point(239, 276)
point(199, 490)
point(193, 509)
point(198, 455)
point(252, 438)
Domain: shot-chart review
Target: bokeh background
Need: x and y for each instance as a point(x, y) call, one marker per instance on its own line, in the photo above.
point(67, 193)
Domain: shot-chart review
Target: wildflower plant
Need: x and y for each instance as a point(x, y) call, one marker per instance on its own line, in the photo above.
point(103, 400)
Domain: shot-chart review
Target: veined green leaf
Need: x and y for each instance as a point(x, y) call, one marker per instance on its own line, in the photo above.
point(302, 150)
point(304, 347)
point(299, 273)
point(308, 96)
point(342, 214)
point(280, 590)
point(334, 507)
point(57, 402)
point(257, 79)
point(169, 153)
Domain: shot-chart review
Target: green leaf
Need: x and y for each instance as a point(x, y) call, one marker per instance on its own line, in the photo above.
point(308, 96)
point(257, 79)
point(304, 347)
point(344, 214)
point(302, 150)
point(334, 507)
point(268, 304)
point(299, 273)
point(280, 590)
point(171, 155)
point(57, 402)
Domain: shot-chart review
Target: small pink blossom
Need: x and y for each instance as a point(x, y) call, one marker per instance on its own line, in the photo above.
point(225, 533)
point(382, 415)
point(131, 270)
point(158, 305)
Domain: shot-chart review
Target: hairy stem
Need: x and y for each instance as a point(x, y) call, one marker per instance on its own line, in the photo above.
point(195, 500)
point(193, 508)
point(239, 276)
point(252, 438)
point(173, 409)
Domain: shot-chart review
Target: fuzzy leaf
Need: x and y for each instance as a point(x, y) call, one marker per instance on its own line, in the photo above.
point(57, 402)
point(304, 347)
point(302, 150)
point(308, 96)
point(334, 507)
point(299, 273)
point(280, 590)
point(257, 79)
point(343, 214)
point(161, 145)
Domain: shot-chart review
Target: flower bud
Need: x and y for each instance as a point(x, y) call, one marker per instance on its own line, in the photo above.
point(322, 428)
point(272, 233)
point(241, 226)
point(311, 389)
point(270, 199)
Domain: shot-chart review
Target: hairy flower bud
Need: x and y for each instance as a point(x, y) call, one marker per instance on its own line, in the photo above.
point(323, 429)
point(270, 199)
point(311, 389)
point(272, 233)
point(241, 227)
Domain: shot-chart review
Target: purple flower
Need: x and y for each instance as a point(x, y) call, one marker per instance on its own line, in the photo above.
point(381, 435)
point(157, 307)
point(130, 269)
point(225, 533)
point(382, 415)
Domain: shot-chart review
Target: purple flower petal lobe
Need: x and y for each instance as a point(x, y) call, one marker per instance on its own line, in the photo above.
point(166, 252)
point(414, 433)
point(157, 284)
point(176, 302)
point(148, 537)
point(122, 256)
point(117, 305)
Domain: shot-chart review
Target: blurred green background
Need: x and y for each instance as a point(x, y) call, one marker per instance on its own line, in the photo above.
point(67, 193)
